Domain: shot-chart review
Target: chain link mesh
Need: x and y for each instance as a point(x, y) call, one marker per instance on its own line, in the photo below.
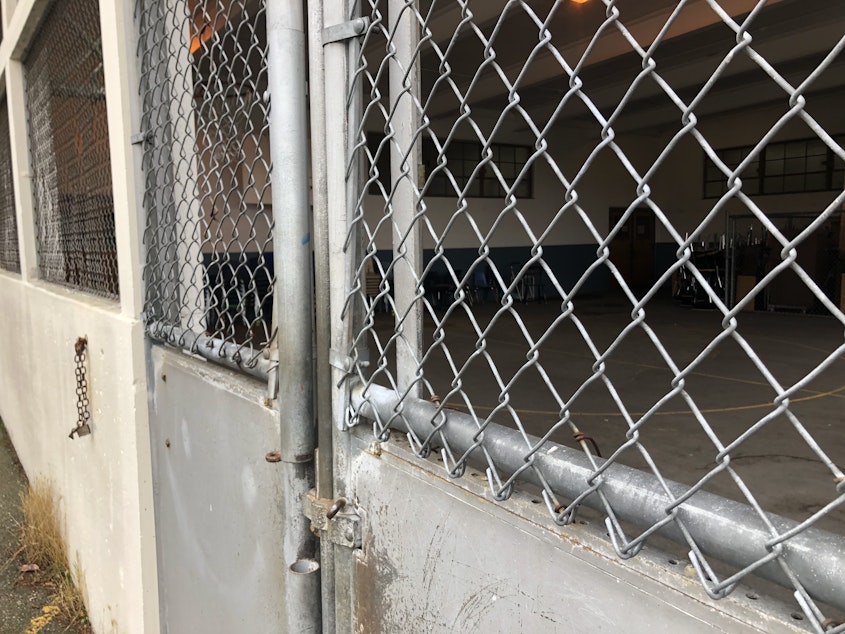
point(549, 148)
point(9, 253)
point(69, 141)
point(209, 266)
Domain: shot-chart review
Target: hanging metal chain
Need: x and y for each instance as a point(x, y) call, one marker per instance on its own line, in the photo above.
point(84, 415)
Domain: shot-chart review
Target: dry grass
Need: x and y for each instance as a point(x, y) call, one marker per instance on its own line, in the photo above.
point(42, 543)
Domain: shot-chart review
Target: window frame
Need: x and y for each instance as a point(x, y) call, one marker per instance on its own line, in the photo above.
point(775, 153)
point(465, 157)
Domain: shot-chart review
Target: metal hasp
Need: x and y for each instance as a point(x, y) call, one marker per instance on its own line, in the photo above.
point(345, 30)
point(336, 520)
point(724, 529)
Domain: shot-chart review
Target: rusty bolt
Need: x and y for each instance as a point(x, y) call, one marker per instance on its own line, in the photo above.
point(167, 442)
point(273, 456)
point(334, 509)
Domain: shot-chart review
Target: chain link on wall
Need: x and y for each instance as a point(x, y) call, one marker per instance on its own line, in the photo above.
point(9, 253)
point(209, 267)
point(540, 257)
point(69, 141)
point(83, 403)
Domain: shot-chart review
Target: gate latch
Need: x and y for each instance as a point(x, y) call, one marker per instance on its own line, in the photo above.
point(345, 30)
point(336, 520)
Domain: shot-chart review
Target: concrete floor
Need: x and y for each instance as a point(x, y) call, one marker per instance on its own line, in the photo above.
point(784, 475)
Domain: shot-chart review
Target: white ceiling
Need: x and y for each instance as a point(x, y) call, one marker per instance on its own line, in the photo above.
point(792, 35)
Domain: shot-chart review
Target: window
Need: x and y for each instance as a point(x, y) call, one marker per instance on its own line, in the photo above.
point(9, 253)
point(786, 167)
point(69, 150)
point(462, 159)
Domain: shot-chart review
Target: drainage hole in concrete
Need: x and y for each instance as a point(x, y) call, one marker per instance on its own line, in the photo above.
point(751, 596)
point(797, 616)
point(674, 562)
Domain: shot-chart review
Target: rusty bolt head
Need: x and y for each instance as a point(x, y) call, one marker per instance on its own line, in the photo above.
point(79, 346)
point(167, 442)
point(273, 456)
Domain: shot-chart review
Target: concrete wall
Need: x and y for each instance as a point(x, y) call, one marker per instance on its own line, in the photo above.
point(103, 480)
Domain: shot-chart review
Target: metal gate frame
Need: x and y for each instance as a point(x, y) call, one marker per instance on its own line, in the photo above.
point(813, 558)
point(323, 393)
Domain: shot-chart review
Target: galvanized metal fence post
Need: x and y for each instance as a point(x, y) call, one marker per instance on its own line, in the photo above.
point(187, 281)
point(322, 279)
point(405, 158)
point(293, 305)
point(342, 253)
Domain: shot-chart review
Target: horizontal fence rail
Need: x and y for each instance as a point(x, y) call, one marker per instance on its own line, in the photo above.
point(233, 356)
point(773, 547)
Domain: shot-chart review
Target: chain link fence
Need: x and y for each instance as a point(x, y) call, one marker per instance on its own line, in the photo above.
point(209, 267)
point(9, 253)
point(751, 254)
point(536, 185)
point(69, 146)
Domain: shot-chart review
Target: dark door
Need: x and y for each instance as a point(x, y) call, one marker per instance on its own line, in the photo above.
point(632, 249)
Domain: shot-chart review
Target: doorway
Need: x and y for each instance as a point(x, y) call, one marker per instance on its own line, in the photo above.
point(632, 249)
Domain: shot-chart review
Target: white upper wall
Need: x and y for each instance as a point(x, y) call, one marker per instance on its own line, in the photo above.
point(676, 187)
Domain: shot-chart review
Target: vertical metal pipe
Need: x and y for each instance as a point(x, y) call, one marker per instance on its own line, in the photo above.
point(293, 304)
point(187, 203)
point(325, 427)
point(317, 103)
point(339, 60)
point(404, 167)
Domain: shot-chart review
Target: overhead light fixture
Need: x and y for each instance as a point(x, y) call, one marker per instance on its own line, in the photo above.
point(579, 1)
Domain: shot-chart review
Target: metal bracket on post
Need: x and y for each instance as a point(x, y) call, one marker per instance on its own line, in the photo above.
point(272, 355)
point(145, 136)
point(345, 30)
point(336, 520)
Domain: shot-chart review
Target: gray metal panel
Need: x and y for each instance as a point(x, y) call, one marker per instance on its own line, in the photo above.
point(217, 520)
point(441, 558)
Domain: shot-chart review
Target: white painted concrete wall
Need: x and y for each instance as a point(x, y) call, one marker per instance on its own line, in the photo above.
point(104, 480)
point(676, 187)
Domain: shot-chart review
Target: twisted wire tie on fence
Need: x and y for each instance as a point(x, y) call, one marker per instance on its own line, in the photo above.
point(581, 437)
